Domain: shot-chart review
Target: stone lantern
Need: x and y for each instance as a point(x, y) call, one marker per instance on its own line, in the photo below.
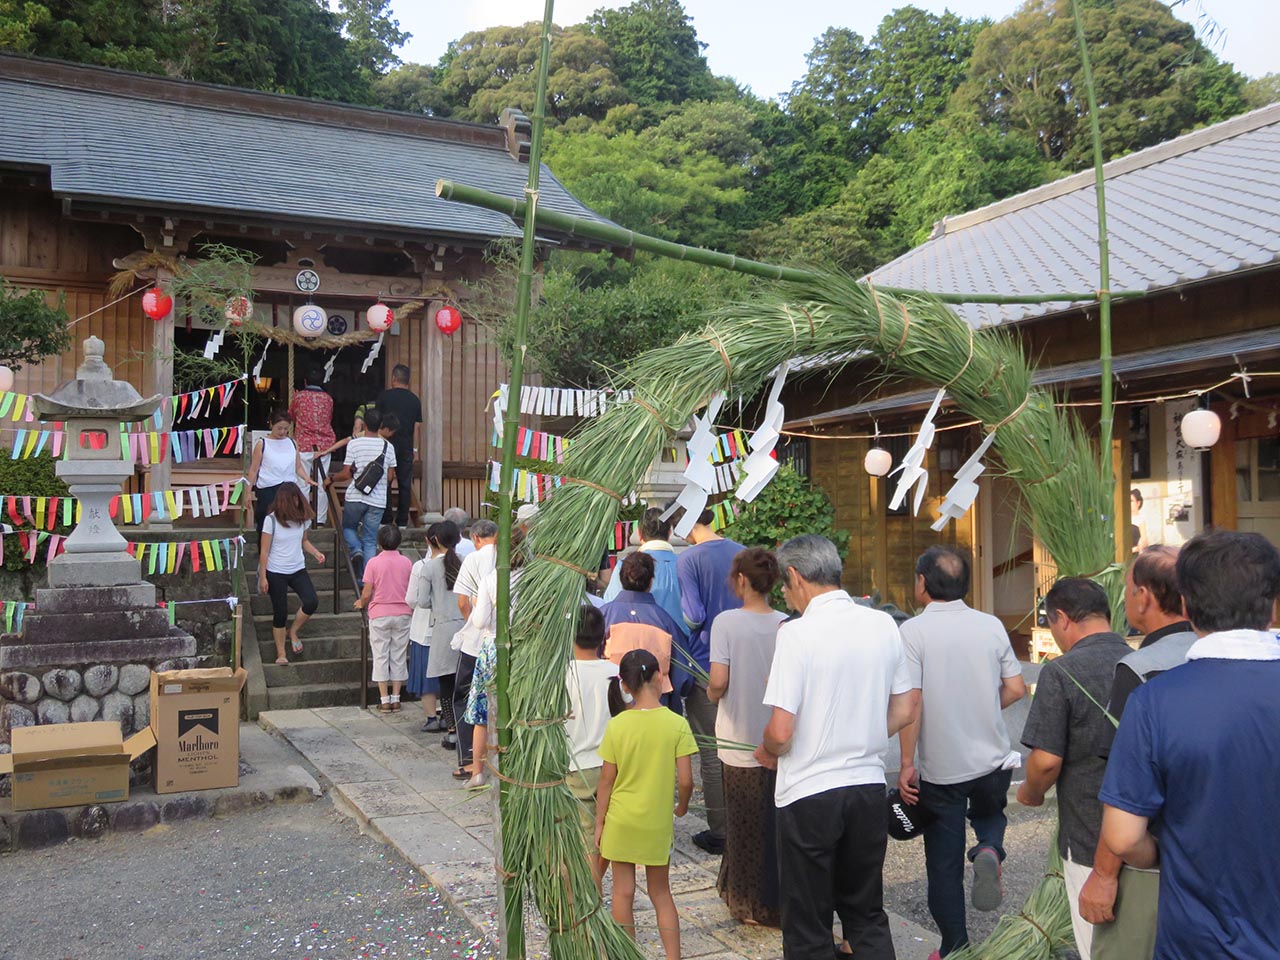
point(93, 406)
point(87, 650)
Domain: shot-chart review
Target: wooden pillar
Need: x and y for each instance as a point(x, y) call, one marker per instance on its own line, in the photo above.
point(1224, 509)
point(433, 415)
point(878, 497)
point(160, 476)
point(1121, 506)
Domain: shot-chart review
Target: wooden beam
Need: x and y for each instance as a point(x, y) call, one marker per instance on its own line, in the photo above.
point(1224, 508)
point(433, 414)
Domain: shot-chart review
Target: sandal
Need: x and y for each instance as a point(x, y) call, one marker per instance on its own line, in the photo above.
point(296, 644)
point(462, 773)
point(282, 662)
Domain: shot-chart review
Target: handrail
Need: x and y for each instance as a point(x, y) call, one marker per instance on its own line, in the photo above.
point(321, 477)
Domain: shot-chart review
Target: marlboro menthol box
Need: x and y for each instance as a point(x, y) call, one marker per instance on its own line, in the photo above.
point(195, 715)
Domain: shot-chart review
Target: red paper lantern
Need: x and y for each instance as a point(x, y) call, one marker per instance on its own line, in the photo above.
point(449, 320)
point(379, 317)
point(156, 304)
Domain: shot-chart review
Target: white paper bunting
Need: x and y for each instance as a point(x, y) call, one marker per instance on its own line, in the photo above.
point(913, 470)
point(965, 489)
point(761, 465)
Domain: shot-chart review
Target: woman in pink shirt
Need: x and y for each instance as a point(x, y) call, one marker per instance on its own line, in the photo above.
point(386, 580)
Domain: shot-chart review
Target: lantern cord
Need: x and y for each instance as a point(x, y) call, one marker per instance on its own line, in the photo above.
point(107, 306)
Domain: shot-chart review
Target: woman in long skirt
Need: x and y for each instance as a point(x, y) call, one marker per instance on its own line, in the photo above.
point(742, 643)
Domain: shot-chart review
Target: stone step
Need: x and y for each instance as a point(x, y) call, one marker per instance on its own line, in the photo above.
point(307, 695)
point(314, 648)
point(307, 672)
point(321, 579)
point(329, 625)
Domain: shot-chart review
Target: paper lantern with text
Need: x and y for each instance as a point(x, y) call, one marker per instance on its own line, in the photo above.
point(449, 320)
point(6, 379)
point(156, 304)
point(238, 310)
point(310, 320)
point(379, 317)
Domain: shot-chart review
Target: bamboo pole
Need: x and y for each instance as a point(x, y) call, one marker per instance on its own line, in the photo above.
point(512, 881)
point(1107, 409)
point(616, 236)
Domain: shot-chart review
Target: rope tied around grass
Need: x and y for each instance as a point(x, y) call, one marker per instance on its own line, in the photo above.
point(1013, 416)
point(653, 413)
point(594, 486)
point(713, 338)
point(906, 330)
point(564, 563)
point(1067, 463)
point(795, 336)
point(1024, 916)
point(520, 783)
point(967, 360)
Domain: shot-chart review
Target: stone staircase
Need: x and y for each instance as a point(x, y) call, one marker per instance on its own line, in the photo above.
point(327, 673)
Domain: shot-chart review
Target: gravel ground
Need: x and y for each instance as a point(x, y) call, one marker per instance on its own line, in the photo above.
point(1027, 840)
point(293, 882)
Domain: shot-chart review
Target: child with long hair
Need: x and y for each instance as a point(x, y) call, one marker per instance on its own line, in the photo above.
point(282, 566)
point(646, 752)
point(436, 618)
point(386, 581)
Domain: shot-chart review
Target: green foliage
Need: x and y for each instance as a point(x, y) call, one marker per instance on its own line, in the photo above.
point(788, 507)
point(413, 88)
point(33, 477)
point(1154, 79)
point(580, 335)
point(373, 33)
point(488, 70)
point(30, 329)
point(659, 56)
point(1261, 91)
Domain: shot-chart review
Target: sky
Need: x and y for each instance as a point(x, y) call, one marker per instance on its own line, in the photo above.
point(763, 44)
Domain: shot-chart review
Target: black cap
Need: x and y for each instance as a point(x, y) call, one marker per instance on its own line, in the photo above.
point(906, 820)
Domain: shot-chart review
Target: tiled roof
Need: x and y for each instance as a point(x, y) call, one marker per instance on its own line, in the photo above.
point(1199, 206)
point(152, 143)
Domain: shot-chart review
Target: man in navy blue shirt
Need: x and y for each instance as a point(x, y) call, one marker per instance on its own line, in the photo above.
point(1194, 772)
point(705, 593)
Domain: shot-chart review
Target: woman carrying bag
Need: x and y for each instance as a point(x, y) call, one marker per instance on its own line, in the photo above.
point(275, 460)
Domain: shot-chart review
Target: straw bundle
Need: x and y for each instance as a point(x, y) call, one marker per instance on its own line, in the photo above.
point(1044, 449)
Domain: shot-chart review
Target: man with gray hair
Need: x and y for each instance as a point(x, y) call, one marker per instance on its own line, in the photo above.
point(839, 688)
point(458, 517)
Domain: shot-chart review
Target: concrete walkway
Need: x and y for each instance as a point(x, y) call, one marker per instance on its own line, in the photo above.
point(396, 781)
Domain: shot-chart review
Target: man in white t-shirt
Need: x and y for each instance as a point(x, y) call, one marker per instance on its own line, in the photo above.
point(360, 519)
point(966, 673)
point(475, 567)
point(839, 689)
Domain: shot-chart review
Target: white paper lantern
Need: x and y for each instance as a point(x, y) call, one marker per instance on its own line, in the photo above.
point(379, 317)
point(310, 320)
point(1201, 428)
point(878, 461)
point(6, 379)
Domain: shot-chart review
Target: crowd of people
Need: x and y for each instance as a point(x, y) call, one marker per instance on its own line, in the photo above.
point(1161, 757)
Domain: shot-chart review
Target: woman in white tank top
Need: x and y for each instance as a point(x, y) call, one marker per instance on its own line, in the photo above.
point(275, 461)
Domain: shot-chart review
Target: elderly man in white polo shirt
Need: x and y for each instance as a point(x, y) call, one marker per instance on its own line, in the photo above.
point(965, 672)
point(839, 689)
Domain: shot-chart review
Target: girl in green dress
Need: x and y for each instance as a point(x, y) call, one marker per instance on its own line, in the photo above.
point(646, 751)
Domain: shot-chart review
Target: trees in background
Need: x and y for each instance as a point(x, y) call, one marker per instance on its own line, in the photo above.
point(880, 138)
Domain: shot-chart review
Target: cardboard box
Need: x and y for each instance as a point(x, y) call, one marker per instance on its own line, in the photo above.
point(70, 764)
point(195, 715)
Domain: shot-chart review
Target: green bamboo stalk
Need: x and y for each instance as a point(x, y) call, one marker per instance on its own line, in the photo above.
point(616, 236)
point(513, 880)
point(1107, 410)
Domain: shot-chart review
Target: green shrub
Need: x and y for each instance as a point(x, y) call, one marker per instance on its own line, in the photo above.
point(788, 507)
point(33, 477)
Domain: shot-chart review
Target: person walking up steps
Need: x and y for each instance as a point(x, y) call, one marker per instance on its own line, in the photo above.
point(282, 565)
point(363, 508)
point(645, 753)
point(386, 581)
